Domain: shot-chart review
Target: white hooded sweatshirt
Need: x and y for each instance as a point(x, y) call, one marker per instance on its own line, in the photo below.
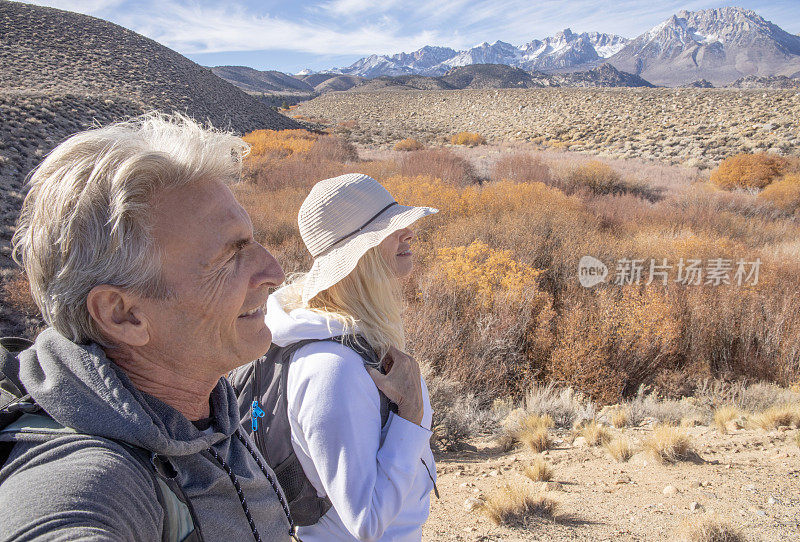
point(374, 477)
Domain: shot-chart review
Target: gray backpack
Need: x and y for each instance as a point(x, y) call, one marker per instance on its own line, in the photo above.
point(261, 388)
point(22, 420)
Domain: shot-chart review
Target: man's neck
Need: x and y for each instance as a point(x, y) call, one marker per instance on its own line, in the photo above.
point(189, 395)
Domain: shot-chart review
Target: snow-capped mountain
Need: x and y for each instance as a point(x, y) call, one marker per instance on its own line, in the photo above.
point(568, 50)
point(418, 62)
point(720, 45)
point(565, 50)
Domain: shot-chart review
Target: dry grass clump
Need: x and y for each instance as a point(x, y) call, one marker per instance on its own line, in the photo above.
point(408, 144)
point(470, 139)
point(724, 415)
point(539, 470)
point(534, 432)
point(706, 529)
point(783, 194)
point(797, 438)
point(619, 448)
point(777, 416)
point(521, 167)
point(516, 505)
point(620, 418)
point(594, 433)
point(669, 444)
point(753, 171)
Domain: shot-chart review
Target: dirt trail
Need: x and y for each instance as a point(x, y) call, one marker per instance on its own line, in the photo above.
point(750, 480)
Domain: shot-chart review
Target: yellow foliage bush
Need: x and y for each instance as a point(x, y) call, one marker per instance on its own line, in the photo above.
point(408, 145)
point(487, 272)
point(279, 142)
point(749, 171)
point(470, 139)
point(783, 194)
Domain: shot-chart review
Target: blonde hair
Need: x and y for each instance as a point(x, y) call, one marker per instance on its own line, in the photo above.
point(86, 220)
point(368, 298)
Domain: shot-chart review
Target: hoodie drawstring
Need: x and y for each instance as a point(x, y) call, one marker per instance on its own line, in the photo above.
point(240, 493)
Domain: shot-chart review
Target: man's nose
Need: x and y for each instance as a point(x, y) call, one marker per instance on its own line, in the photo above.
point(270, 273)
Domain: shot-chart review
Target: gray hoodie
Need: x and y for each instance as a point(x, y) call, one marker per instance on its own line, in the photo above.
point(89, 488)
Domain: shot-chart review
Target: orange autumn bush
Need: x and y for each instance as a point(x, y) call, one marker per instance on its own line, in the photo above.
point(409, 144)
point(784, 194)
point(470, 139)
point(754, 171)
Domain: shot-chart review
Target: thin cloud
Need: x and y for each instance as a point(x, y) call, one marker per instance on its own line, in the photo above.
point(199, 29)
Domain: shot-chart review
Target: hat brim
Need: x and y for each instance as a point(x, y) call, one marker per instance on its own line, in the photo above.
point(338, 262)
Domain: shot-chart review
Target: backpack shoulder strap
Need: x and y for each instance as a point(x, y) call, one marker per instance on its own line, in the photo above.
point(11, 389)
point(359, 344)
point(180, 523)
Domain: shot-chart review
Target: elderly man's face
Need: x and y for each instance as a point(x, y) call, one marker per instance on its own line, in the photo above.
point(219, 278)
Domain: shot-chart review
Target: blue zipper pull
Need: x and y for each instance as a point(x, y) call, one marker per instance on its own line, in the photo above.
point(255, 413)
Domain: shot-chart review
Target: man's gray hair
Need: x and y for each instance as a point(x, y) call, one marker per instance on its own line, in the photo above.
point(86, 220)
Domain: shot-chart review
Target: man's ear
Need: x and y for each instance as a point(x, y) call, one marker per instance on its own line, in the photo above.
point(118, 314)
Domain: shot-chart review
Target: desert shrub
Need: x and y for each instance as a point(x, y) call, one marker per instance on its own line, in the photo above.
point(409, 144)
point(534, 432)
point(564, 406)
point(601, 179)
point(516, 505)
point(753, 171)
point(594, 433)
point(669, 444)
point(538, 470)
point(487, 273)
point(620, 417)
point(724, 415)
point(707, 529)
point(521, 167)
point(333, 149)
point(619, 449)
point(288, 158)
point(442, 164)
point(279, 143)
point(651, 406)
point(614, 341)
point(783, 194)
point(457, 416)
point(774, 417)
point(470, 139)
point(510, 320)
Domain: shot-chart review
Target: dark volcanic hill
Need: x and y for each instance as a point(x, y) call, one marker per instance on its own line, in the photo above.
point(61, 72)
point(59, 52)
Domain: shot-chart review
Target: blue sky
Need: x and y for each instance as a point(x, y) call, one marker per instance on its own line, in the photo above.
point(290, 36)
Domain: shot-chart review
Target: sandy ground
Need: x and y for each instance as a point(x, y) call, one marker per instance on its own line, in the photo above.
point(749, 479)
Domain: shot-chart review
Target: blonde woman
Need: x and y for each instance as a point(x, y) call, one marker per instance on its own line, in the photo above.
point(377, 476)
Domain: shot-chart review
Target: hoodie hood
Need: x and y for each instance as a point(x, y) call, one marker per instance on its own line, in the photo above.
point(298, 324)
point(81, 388)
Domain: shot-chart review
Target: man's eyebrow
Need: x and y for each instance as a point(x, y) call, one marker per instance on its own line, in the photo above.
point(230, 246)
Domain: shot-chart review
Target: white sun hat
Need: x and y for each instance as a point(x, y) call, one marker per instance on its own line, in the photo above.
point(341, 219)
